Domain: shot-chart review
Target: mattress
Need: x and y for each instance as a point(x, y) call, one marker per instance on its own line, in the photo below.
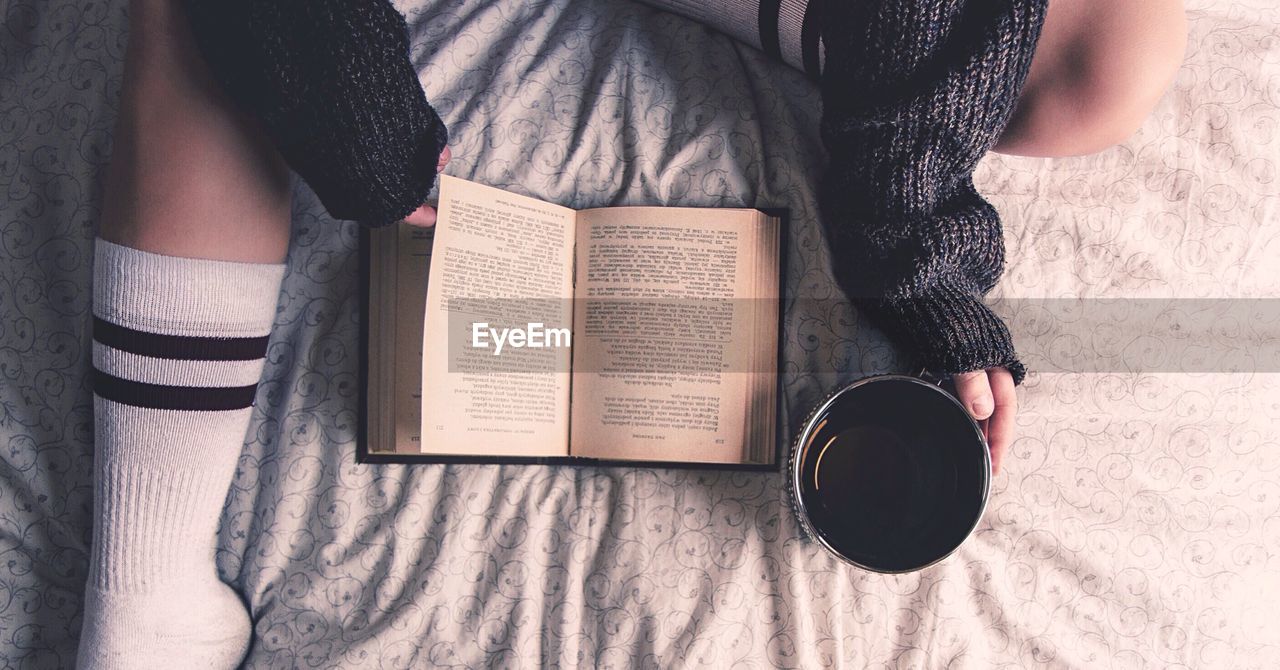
point(1136, 523)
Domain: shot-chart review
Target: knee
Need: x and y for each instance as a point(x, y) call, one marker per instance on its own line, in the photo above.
point(1096, 76)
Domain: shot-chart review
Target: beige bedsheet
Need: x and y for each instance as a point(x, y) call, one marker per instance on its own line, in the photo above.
point(1137, 524)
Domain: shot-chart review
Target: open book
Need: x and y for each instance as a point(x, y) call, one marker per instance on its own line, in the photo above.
point(552, 335)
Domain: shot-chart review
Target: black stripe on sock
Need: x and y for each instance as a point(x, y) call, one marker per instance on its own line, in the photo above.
point(810, 34)
point(157, 396)
point(770, 41)
point(179, 347)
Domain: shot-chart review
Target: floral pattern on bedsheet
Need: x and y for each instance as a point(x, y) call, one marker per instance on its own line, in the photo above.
point(1137, 524)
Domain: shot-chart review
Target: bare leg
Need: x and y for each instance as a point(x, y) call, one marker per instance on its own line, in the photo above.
point(1098, 70)
point(190, 176)
point(187, 273)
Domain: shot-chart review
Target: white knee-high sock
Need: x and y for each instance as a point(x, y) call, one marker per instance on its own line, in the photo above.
point(178, 350)
point(785, 29)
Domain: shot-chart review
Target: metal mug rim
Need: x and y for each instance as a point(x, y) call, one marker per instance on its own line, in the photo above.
point(801, 510)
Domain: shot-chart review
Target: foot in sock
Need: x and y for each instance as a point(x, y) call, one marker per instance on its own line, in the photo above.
point(201, 624)
point(178, 351)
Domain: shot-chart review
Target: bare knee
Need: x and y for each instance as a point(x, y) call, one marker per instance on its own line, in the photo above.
point(1098, 71)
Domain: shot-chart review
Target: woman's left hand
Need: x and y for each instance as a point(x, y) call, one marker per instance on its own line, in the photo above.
point(425, 216)
point(992, 399)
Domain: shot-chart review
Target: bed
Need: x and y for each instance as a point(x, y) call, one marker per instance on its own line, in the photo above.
point(1137, 523)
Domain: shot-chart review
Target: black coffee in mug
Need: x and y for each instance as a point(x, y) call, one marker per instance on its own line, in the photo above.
point(891, 473)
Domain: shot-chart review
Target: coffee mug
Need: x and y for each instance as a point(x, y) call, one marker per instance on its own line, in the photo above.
point(890, 473)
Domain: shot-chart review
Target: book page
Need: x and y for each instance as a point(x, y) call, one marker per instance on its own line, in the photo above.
point(413, 257)
point(380, 354)
point(499, 260)
point(665, 346)
point(399, 258)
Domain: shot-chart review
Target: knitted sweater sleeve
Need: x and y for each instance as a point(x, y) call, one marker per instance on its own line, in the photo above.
point(914, 93)
point(333, 86)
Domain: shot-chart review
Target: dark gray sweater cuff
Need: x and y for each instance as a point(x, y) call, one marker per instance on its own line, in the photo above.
point(948, 331)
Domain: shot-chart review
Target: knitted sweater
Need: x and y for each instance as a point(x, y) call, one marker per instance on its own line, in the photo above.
point(333, 86)
point(914, 93)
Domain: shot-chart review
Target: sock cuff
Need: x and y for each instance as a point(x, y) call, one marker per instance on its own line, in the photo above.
point(170, 295)
point(785, 29)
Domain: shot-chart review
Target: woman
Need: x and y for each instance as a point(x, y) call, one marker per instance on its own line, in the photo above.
point(196, 219)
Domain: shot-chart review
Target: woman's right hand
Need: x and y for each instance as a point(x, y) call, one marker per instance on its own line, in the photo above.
point(991, 397)
point(425, 216)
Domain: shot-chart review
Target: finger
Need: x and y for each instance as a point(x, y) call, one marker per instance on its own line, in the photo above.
point(1005, 396)
point(974, 392)
point(423, 217)
point(444, 159)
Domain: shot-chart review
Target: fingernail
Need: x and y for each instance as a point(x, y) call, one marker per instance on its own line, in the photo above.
point(982, 408)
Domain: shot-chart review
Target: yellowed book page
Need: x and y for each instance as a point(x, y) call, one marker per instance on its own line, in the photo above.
point(767, 321)
point(662, 334)
point(380, 391)
point(413, 265)
point(496, 250)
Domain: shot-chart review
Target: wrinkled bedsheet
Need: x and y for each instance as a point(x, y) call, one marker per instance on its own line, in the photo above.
point(1137, 523)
